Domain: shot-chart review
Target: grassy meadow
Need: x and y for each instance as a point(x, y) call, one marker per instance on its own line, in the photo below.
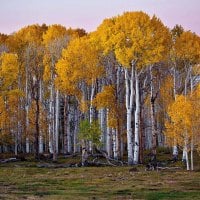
point(25, 180)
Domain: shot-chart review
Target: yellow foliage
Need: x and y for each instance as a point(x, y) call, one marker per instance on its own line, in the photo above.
point(184, 120)
point(80, 62)
point(187, 47)
point(53, 33)
point(107, 99)
point(84, 106)
point(134, 36)
point(9, 69)
point(166, 92)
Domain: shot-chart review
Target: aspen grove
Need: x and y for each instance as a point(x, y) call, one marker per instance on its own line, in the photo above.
point(131, 85)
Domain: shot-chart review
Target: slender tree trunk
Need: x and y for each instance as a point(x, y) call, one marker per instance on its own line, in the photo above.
point(27, 112)
point(91, 113)
point(65, 124)
point(41, 144)
point(27, 127)
point(114, 140)
point(84, 152)
point(118, 130)
point(137, 119)
point(57, 113)
point(27, 145)
point(142, 137)
point(16, 143)
point(191, 154)
point(129, 105)
point(76, 122)
point(192, 138)
point(37, 127)
point(118, 143)
point(102, 114)
point(186, 152)
point(153, 121)
point(175, 148)
point(51, 150)
point(108, 139)
point(69, 136)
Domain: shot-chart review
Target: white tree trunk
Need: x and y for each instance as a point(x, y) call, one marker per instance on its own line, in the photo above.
point(91, 112)
point(41, 145)
point(186, 151)
point(76, 122)
point(175, 151)
point(102, 121)
point(114, 141)
point(153, 121)
point(51, 119)
point(191, 154)
point(184, 154)
point(69, 139)
point(137, 119)
point(175, 148)
point(27, 105)
point(57, 121)
point(27, 126)
point(108, 139)
point(27, 145)
point(129, 105)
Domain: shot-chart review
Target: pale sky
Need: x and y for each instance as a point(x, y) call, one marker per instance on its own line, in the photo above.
point(88, 14)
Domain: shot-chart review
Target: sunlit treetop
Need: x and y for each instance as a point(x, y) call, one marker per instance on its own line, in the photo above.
point(53, 33)
point(187, 47)
point(135, 37)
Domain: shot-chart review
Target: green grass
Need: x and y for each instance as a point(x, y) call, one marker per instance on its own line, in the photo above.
point(24, 180)
point(96, 183)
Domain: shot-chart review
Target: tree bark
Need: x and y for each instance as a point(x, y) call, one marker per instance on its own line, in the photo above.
point(153, 121)
point(175, 148)
point(108, 139)
point(137, 119)
point(37, 127)
point(65, 124)
point(57, 121)
point(129, 106)
point(41, 146)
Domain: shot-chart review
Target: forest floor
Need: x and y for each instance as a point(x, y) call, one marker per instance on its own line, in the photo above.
point(25, 180)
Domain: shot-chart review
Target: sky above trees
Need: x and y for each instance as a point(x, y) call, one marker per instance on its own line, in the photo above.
point(88, 14)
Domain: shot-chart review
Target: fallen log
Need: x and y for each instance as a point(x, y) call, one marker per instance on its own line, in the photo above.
point(168, 168)
point(9, 160)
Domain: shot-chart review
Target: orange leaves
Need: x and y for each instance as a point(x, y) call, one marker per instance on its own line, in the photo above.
point(180, 111)
point(9, 69)
point(80, 62)
point(187, 47)
point(166, 92)
point(184, 118)
point(106, 98)
point(28, 35)
point(134, 36)
point(53, 33)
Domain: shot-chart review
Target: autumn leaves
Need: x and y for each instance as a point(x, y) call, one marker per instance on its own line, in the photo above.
point(129, 74)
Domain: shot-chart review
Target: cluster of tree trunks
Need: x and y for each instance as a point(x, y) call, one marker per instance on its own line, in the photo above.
point(123, 79)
